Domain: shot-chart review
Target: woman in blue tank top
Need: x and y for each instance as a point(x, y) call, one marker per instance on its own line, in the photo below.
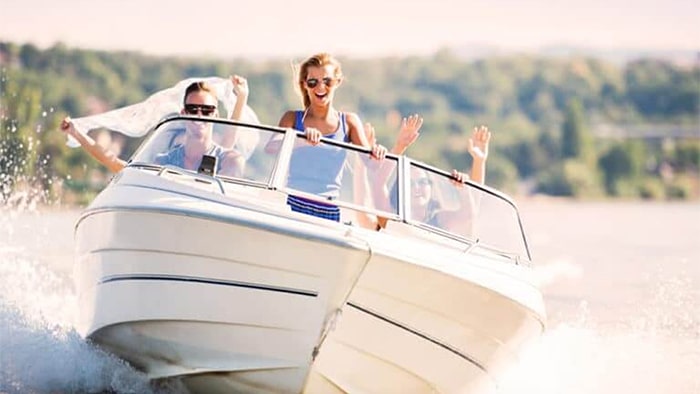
point(318, 169)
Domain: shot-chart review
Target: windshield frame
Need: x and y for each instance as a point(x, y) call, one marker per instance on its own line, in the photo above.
point(280, 169)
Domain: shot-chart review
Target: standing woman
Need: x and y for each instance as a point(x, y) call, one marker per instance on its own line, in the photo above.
point(318, 170)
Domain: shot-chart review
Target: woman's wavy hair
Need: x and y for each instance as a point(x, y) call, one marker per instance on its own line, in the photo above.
point(301, 72)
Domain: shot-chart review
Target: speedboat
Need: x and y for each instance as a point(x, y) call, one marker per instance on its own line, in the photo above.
point(209, 277)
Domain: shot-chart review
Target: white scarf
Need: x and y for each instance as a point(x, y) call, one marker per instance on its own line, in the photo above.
point(137, 119)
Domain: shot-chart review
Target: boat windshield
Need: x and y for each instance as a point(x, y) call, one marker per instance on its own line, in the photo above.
point(339, 174)
point(181, 142)
point(467, 210)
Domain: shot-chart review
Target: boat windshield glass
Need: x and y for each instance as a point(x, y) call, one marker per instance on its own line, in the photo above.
point(181, 143)
point(469, 211)
point(342, 174)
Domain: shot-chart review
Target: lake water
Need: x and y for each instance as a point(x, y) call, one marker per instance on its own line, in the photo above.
point(621, 283)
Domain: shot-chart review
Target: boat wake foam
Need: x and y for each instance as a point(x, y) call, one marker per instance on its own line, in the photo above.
point(41, 351)
point(653, 350)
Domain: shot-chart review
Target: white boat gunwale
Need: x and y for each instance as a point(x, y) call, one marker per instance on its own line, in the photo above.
point(341, 240)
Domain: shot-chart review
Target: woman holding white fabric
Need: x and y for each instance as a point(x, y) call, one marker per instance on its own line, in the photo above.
point(201, 100)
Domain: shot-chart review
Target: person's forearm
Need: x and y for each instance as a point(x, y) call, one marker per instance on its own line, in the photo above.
point(104, 156)
point(231, 136)
point(385, 169)
point(478, 173)
point(241, 102)
point(398, 149)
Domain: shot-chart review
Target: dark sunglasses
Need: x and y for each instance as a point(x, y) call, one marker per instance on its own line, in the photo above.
point(421, 182)
point(313, 82)
point(205, 110)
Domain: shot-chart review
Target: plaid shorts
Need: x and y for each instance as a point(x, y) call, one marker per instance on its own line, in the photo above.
point(314, 208)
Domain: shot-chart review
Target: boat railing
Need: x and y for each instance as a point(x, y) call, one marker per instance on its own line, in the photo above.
point(396, 189)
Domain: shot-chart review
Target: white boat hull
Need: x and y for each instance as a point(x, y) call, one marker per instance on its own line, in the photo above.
point(447, 326)
point(235, 293)
point(242, 308)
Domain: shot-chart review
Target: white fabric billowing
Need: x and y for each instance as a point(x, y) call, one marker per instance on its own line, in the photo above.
point(137, 119)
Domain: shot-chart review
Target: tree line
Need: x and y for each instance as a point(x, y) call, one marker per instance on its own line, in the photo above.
point(543, 113)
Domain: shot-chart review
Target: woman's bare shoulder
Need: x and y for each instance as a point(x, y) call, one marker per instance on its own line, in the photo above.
point(287, 119)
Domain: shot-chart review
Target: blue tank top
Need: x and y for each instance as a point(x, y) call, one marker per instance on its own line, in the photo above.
point(318, 169)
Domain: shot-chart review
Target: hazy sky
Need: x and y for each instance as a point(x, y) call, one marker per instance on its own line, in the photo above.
point(230, 28)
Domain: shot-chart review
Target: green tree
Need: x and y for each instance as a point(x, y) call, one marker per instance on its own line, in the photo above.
point(30, 56)
point(622, 162)
point(575, 141)
point(656, 88)
point(572, 178)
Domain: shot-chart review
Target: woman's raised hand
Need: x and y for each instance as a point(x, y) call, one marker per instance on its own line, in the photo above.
point(67, 126)
point(409, 132)
point(479, 143)
point(240, 86)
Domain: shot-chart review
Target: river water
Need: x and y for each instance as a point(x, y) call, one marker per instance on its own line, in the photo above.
point(621, 283)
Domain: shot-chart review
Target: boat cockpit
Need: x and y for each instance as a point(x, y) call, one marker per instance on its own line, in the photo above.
point(238, 159)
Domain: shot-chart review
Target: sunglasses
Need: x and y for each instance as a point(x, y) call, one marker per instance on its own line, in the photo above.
point(205, 110)
point(421, 182)
point(313, 82)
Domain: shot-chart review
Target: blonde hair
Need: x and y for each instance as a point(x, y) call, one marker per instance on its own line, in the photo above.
point(301, 72)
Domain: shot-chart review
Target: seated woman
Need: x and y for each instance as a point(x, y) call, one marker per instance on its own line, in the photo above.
point(426, 204)
point(199, 99)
